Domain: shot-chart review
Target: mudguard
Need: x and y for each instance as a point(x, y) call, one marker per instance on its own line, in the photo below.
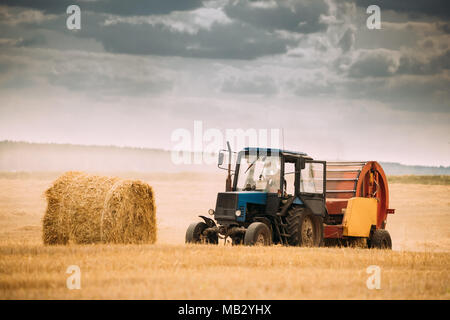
point(209, 222)
point(316, 206)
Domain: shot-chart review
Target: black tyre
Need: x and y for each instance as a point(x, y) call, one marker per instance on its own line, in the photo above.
point(380, 239)
point(360, 243)
point(320, 232)
point(311, 230)
point(258, 233)
point(195, 234)
point(237, 240)
point(293, 220)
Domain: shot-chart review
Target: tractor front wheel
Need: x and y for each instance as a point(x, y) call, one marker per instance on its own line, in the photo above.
point(258, 234)
point(195, 234)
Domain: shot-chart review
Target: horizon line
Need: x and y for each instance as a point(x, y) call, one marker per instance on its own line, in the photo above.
point(168, 150)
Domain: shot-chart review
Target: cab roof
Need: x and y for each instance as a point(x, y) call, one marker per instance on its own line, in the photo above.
point(274, 150)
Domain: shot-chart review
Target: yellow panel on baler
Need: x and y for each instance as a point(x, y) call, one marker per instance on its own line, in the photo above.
point(360, 215)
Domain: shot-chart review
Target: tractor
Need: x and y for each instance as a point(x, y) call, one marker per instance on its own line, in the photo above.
point(275, 196)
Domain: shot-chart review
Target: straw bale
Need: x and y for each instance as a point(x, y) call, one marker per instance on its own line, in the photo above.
point(83, 208)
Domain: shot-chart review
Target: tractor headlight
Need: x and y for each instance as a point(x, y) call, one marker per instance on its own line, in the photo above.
point(238, 213)
point(211, 211)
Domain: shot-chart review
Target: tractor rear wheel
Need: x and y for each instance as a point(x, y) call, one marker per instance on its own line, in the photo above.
point(258, 234)
point(380, 239)
point(311, 230)
point(194, 234)
point(293, 220)
point(304, 228)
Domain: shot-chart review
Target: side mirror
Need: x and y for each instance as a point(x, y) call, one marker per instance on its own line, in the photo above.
point(220, 161)
point(225, 159)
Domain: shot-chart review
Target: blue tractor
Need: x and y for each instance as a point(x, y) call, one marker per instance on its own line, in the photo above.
point(272, 196)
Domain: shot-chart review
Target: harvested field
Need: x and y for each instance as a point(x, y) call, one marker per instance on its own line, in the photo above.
point(165, 271)
point(416, 269)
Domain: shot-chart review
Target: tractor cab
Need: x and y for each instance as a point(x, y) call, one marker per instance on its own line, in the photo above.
point(266, 178)
point(277, 171)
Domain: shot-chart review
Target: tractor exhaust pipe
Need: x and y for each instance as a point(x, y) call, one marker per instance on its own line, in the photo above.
point(228, 181)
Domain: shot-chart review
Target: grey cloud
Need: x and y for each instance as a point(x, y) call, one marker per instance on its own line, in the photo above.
point(310, 89)
point(411, 65)
point(364, 74)
point(221, 41)
point(373, 63)
point(316, 83)
point(255, 85)
point(98, 74)
point(117, 7)
point(38, 40)
point(4, 67)
point(348, 40)
point(17, 82)
point(301, 16)
point(444, 26)
point(436, 64)
point(403, 81)
point(384, 63)
point(117, 85)
point(106, 74)
point(442, 61)
point(438, 8)
point(233, 40)
point(410, 93)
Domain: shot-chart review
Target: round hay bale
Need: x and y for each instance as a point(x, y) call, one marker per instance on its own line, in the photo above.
point(85, 208)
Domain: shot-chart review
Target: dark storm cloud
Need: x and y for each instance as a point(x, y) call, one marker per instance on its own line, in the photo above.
point(250, 33)
point(438, 8)
point(117, 7)
point(444, 27)
point(301, 16)
point(221, 41)
point(231, 41)
point(373, 63)
point(436, 64)
point(384, 63)
point(427, 94)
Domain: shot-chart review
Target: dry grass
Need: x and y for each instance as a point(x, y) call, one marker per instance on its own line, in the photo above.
point(416, 269)
point(219, 272)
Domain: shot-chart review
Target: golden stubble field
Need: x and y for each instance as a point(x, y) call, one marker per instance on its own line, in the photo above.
point(417, 268)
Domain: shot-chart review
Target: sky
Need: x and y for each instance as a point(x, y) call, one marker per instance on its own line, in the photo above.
point(138, 71)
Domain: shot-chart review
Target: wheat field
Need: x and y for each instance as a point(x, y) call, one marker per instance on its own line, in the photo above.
point(417, 268)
